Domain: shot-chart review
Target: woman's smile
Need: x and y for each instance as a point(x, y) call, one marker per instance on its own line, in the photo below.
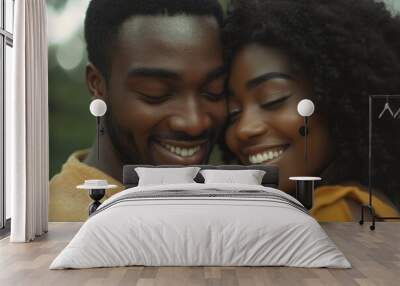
point(262, 154)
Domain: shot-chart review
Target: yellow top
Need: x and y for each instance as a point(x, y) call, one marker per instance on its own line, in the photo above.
point(67, 203)
point(70, 204)
point(330, 203)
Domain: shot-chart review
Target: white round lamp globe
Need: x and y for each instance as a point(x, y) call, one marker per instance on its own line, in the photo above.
point(98, 107)
point(305, 107)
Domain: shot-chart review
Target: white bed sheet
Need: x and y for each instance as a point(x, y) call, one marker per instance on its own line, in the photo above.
point(200, 232)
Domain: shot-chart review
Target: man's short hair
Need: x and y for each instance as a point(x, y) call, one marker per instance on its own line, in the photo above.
point(104, 18)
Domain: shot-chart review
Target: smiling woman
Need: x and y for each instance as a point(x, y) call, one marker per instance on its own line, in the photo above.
point(264, 125)
point(281, 52)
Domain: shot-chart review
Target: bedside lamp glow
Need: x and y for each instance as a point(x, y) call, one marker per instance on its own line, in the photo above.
point(305, 108)
point(98, 108)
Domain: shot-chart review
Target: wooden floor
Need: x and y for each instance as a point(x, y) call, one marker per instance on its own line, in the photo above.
point(374, 255)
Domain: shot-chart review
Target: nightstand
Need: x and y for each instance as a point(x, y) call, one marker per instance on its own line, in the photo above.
point(305, 190)
point(97, 190)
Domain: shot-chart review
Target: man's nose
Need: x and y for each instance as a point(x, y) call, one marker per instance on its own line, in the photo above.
point(191, 117)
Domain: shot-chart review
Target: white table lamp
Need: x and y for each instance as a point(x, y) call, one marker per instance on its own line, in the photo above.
point(98, 108)
point(305, 185)
point(305, 108)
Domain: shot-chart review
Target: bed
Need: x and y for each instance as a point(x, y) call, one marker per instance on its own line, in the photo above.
point(201, 224)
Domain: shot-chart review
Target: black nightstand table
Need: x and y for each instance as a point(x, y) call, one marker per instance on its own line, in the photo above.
point(305, 190)
point(97, 190)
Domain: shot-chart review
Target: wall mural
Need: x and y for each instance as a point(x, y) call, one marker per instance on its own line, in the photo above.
point(220, 83)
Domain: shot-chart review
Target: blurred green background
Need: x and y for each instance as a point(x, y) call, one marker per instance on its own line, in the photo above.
point(71, 125)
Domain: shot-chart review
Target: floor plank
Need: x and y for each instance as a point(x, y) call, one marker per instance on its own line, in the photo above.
point(374, 255)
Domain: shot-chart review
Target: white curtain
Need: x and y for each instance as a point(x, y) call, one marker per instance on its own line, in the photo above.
point(27, 124)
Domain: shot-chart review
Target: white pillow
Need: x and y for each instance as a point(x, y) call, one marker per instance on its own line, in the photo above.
point(248, 177)
point(163, 176)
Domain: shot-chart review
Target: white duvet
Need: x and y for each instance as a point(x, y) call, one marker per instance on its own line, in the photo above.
point(206, 230)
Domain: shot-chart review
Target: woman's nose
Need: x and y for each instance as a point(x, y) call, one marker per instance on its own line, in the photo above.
point(250, 124)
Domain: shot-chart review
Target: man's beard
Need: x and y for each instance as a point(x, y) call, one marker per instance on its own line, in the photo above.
point(209, 135)
point(128, 153)
point(127, 150)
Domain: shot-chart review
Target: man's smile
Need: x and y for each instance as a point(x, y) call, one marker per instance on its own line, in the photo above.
point(180, 152)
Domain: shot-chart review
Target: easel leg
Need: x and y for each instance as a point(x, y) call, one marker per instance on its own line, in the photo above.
point(372, 213)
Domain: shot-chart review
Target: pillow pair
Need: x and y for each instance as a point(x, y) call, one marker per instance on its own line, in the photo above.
point(184, 175)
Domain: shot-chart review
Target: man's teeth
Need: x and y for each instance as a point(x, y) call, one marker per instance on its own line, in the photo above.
point(183, 152)
point(265, 156)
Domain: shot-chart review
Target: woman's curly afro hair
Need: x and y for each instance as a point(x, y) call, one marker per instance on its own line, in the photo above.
point(349, 49)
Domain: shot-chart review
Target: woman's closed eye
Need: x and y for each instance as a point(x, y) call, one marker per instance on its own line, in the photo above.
point(276, 103)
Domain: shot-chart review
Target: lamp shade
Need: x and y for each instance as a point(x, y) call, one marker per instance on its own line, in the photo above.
point(98, 107)
point(305, 107)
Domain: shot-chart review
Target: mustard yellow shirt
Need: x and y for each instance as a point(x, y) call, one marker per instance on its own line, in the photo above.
point(330, 204)
point(70, 204)
point(67, 203)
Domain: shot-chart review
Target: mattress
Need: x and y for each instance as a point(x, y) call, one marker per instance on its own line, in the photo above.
point(201, 225)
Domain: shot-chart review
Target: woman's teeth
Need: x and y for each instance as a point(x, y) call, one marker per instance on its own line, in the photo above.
point(180, 151)
point(265, 156)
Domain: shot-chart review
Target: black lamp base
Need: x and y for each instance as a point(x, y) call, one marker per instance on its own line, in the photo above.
point(96, 195)
point(305, 190)
point(305, 193)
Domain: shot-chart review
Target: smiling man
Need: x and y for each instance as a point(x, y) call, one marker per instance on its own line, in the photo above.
point(158, 65)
